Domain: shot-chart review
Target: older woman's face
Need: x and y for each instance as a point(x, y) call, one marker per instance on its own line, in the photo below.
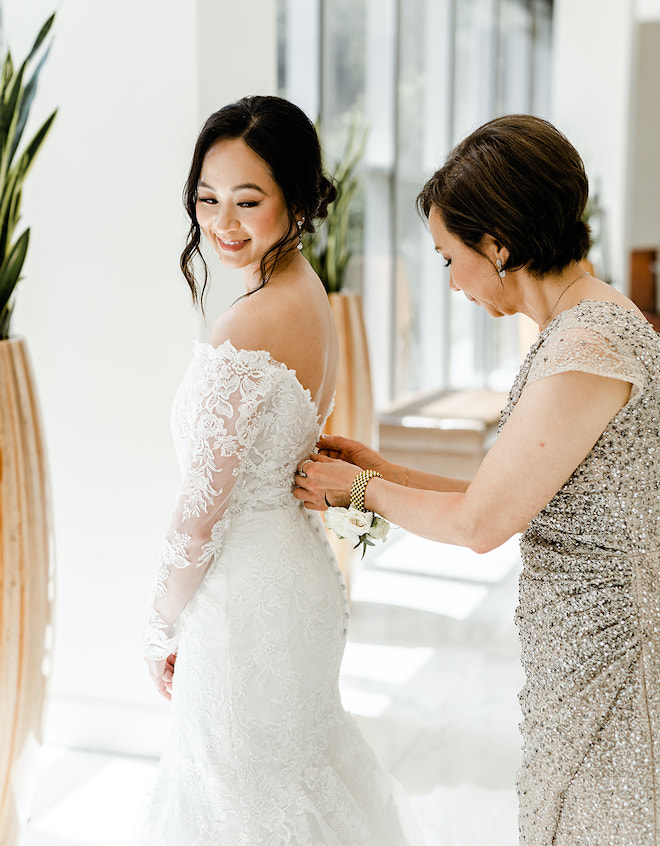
point(469, 271)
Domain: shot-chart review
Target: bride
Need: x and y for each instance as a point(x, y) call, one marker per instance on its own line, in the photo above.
point(249, 615)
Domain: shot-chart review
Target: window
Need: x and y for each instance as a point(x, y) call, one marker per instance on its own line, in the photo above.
point(422, 74)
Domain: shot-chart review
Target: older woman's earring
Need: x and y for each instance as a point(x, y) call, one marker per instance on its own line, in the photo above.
point(299, 224)
point(500, 270)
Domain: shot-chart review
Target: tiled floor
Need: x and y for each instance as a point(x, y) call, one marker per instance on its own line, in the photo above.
point(431, 672)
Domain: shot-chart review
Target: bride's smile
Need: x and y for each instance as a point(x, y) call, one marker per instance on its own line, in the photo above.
point(240, 208)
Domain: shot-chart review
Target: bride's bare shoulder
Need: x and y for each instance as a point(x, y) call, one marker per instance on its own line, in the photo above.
point(264, 319)
point(246, 325)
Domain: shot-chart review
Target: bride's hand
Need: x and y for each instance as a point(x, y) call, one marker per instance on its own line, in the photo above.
point(162, 673)
point(354, 452)
point(326, 482)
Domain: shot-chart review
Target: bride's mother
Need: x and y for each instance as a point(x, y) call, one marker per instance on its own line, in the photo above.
point(575, 468)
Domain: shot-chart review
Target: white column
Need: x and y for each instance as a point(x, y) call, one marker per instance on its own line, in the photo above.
point(236, 57)
point(379, 117)
point(592, 96)
point(644, 218)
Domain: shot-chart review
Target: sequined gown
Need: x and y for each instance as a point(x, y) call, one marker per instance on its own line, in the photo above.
point(589, 610)
point(251, 598)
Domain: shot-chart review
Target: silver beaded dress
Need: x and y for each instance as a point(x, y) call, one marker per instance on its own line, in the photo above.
point(589, 609)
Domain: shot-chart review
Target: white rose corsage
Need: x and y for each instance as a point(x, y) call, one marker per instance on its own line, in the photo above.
point(359, 527)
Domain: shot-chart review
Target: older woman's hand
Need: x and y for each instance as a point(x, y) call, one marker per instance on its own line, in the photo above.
point(324, 482)
point(353, 452)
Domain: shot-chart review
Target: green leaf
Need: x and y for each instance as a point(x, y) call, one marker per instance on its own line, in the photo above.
point(329, 248)
point(16, 101)
point(43, 32)
point(27, 158)
point(7, 74)
point(9, 202)
point(26, 102)
point(13, 184)
point(8, 106)
point(10, 271)
point(5, 319)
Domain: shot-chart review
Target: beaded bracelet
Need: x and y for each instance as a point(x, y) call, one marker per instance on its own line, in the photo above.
point(359, 487)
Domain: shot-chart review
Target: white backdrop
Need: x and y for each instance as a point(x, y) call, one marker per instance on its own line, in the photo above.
point(108, 318)
point(593, 79)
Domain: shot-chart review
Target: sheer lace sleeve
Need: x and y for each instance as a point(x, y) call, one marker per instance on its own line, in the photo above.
point(575, 346)
point(217, 409)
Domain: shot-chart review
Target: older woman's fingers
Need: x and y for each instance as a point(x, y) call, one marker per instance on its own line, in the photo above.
point(311, 498)
point(314, 506)
point(301, 467)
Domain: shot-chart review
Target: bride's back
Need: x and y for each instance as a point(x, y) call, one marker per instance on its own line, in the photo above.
point(290, 318)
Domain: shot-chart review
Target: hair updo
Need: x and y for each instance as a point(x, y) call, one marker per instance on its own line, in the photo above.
point(518, 179)
point(285, 138)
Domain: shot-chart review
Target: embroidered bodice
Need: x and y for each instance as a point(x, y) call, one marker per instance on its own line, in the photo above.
point(241, 423)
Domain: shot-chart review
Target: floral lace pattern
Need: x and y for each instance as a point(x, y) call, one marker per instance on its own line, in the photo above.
point(261, 751)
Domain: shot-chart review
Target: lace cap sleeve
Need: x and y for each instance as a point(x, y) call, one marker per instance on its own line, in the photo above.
point(572, 345)
point(220, 419)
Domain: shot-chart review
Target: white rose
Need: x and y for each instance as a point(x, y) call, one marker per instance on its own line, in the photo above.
point(379, 529)
point(348, 523)
point(337, 520)
point(360, 520)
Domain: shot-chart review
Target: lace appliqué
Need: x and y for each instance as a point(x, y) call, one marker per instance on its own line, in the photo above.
point(216, 421)
point(261, 752)
point(594, 337)
point(574, 346)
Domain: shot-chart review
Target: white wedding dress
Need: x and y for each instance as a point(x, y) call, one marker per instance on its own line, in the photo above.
point(250, 597)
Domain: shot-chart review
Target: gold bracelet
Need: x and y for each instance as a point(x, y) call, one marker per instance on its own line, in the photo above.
point(359, 487)
point(405, 484)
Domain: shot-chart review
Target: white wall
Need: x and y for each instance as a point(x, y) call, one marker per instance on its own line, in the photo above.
point(107, 314)
point(644, 220)
point(593, 44)
point(236, 57)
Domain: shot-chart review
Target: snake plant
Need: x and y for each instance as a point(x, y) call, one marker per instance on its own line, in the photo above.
point(327, 250)
point(17, 91)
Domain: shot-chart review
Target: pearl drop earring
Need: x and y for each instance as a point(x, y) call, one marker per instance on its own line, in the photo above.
point(500, 270)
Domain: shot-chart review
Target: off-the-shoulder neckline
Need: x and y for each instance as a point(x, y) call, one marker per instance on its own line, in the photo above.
point(270, 359)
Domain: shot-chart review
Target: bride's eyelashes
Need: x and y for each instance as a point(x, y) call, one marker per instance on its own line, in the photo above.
point(212, 201)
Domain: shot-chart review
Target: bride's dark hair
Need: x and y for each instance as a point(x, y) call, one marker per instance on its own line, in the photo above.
point(285, 138)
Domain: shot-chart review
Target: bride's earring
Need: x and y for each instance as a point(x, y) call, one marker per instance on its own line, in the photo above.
point(500, 270)
point(299, 224)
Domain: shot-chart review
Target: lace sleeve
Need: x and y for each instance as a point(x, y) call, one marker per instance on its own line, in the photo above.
point(581, 348)
point(219, 423)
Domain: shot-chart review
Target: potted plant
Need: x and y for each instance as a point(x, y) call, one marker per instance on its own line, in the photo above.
point(329, 254)
point(26, 562)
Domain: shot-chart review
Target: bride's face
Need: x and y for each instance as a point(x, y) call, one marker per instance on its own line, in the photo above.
point(240, 208)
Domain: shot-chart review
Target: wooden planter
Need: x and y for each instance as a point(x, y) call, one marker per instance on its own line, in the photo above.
point(353, 415)
point(26, 587)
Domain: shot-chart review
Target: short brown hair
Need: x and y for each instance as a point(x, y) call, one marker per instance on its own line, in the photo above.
point(518, 179)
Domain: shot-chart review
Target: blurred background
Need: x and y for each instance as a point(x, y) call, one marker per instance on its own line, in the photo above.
point(109, 325)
